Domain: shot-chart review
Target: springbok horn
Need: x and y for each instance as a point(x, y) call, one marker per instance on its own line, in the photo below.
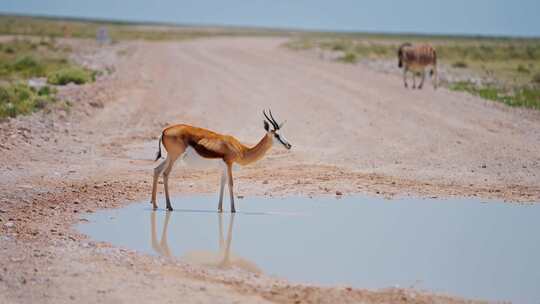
point(272, 116)
point(269, 120)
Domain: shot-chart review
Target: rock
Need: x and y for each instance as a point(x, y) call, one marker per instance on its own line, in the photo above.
point(89, 244)
point(265, 182)
point(96, 104)
point(9, 225)
point(37, 83)
point(339, 193)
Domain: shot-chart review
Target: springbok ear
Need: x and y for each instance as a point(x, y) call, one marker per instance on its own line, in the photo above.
point(266, 126)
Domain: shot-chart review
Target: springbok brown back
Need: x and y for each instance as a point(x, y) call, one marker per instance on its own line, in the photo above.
point(416, 59)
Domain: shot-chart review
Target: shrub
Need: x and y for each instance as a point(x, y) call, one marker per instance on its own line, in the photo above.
point(349, 57)
point(528, 97)
point(27, 66)
point(522, 69)
point(9, 50)
point(459, 64)
point(339, 47)
point(72, 74)
point(46, 91)
point(25, 62)
point(536, 78)
point(17, 99)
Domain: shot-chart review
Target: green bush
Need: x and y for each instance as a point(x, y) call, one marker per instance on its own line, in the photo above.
point(349, 57)
point(522, 69)
point(528, 97)
point(339, 47)
point(28, 67)
point(459, 64)
point(25, 62)
point(72, 74)
point(536, 78)
point(9, 50)
point(17, 99)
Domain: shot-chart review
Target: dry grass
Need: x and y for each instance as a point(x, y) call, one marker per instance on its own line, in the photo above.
point(78, 28)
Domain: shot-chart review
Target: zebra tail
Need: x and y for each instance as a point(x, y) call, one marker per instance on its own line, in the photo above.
point(434, 63)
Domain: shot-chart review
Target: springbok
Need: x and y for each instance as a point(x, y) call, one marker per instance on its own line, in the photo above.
point(416, 59)
point(176, 139)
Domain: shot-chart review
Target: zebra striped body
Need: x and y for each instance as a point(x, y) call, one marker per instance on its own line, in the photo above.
point(416, 59)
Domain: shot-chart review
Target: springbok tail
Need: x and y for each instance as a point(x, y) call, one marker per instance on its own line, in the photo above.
point(158, 154)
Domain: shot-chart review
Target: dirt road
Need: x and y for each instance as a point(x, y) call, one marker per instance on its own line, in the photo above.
point(353, 130)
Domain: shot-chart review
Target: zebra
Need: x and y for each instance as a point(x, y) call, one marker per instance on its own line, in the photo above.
point(416, 59)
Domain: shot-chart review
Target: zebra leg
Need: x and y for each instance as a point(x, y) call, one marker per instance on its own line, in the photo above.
point(405, 77)
point(435, 78)
point(422, 81)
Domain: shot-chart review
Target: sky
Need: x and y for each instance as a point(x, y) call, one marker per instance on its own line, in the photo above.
point(474, 17)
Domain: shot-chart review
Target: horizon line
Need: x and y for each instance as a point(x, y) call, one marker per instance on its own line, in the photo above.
point(126, 22)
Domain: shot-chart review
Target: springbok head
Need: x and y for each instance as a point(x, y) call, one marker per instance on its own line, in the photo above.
point(400, 53)
point(275, 130)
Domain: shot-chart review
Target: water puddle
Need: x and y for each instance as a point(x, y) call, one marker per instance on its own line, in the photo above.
point(459, 247)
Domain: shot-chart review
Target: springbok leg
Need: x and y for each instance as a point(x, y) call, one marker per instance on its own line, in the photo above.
point(221, 188)
point(166, 182)
point(230, 177)
point(157, 172)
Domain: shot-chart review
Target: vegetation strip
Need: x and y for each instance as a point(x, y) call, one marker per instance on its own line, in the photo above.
point(29, 70)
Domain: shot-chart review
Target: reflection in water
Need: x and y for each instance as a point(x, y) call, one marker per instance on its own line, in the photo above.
point(223, 259)
point(161, 247)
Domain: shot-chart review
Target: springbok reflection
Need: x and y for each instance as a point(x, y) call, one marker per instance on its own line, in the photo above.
point(222, 259)
point(161, 246)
